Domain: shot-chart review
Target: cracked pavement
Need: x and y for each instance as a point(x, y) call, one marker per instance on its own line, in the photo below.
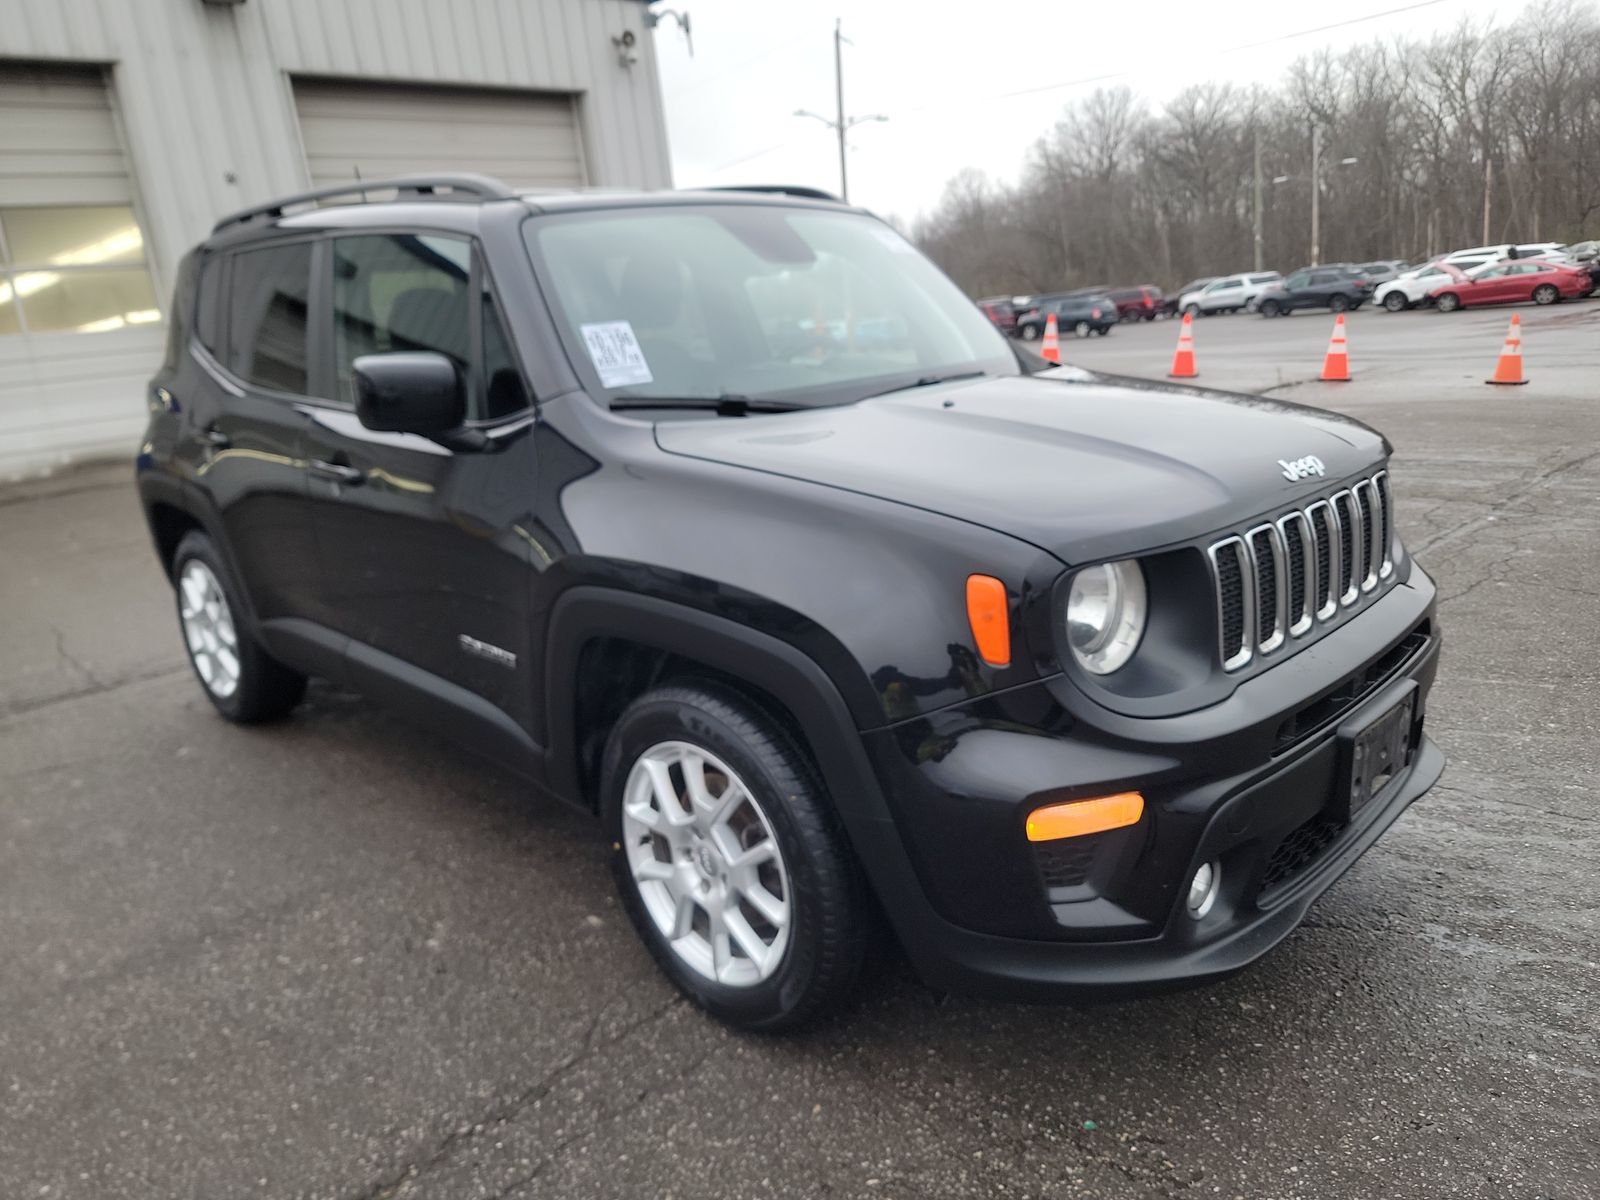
point(339, 958)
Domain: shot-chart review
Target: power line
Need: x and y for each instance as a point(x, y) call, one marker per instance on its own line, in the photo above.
point(1088, 79)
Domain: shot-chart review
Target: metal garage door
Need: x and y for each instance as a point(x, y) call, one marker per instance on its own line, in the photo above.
point(528, 139)
point(80, 327)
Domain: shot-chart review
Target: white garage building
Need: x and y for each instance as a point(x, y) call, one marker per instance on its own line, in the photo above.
point(128, 126)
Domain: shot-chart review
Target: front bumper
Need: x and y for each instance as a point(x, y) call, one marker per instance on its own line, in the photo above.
point(991, 915)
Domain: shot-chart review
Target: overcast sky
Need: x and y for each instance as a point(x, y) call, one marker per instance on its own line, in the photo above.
point(940, 71)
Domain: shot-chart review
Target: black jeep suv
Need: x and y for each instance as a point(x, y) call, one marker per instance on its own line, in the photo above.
point(1335, 287)
point(728, 517)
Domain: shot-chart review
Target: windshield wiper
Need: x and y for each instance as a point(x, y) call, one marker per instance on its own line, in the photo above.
point(928, 381)
point(725, 405)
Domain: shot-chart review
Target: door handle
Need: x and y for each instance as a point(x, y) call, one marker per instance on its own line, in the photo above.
point(338, 472)
point(212, 436)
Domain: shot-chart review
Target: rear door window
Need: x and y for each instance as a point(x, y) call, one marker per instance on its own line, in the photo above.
point(267, 317)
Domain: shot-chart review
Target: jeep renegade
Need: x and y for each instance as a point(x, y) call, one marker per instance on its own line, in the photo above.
point(726, 516)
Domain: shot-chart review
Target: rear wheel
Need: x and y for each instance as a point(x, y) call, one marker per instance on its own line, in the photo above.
point(730, 859)
point(1338, 302)
point(1083, 329)
point(1270, 308)
point(1448, 302)
point(1028, 333)
point(1396, 302)
point(243, 682)
point(1546, 293)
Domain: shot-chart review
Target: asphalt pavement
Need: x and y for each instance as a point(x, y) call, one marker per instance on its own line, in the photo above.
point(338, 957)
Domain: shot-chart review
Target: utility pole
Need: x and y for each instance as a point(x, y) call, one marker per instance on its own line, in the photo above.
point(1488, 194)
point(1260, 252)
point(841, 124)
point(1316, 194)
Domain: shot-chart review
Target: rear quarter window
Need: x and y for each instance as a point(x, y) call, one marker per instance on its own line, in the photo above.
point(268, 314)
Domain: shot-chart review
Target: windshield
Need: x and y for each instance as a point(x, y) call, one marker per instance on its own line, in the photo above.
point(754, 301)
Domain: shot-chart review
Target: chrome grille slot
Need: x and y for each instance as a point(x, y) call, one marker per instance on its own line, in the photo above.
point(1230, 567)
point(1282, 578)
point(1325, 529)
point(1380, 483)
point(1367, 506)
point(1266, 556)
point(1347, 520)
point(1300, 558)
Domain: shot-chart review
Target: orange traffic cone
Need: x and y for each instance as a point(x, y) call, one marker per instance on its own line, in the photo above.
point(1050, 348)
point(1509, 368)
point(1336, 363)
point(1183, 358)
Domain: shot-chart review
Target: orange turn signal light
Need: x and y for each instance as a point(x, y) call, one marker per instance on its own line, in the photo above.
point(1076, 818)
point(986, 612)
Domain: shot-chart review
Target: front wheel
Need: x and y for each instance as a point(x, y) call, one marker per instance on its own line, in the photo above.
point(1448, 302)
point(1191, 310)
point(1028, 333)
point(243, 682)
point(1395, 302)
point(1546, 293)
point(730, 859)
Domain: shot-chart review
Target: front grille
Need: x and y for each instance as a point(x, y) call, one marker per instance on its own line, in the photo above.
point(1279, 579)
point(1066, 863)
point(1299, 850)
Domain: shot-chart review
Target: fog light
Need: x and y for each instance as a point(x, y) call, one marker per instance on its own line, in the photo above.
point(1203, 889)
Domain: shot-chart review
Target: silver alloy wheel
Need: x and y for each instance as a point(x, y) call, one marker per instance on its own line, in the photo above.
point(707, 864)
point(208, 629)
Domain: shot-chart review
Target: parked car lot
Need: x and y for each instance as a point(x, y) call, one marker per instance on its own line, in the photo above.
point(1077, 313)
point(201, 918)
point(1517, 281)
point(1336, 288)
point(1230, 294)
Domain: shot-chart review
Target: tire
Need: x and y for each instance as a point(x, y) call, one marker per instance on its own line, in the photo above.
point(1338, 303)
point(1028, 333)
point(1447, 302)
point(1546, 293)
point(1083, 329)
point(1396, 301)
point(1193, 310)
point(817, 955)
point(1270, 308)
point(256, 687)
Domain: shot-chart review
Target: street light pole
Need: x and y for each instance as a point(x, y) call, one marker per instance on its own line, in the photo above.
point(838, 95)
point(1260, 253)
point(841, 124)
point(1316, 194)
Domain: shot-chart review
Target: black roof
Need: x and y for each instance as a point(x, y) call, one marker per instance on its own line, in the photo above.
point(469, 188)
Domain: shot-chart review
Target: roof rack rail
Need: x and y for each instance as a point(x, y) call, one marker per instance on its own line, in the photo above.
point(480, 187)
point(779, 189)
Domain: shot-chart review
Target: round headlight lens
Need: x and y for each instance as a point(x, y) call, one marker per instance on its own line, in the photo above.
point(1106, 615)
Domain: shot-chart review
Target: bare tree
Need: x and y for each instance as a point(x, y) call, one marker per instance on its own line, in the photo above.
point(1502, 120)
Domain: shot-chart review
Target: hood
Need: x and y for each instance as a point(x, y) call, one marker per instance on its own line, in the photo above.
point(1084, 466)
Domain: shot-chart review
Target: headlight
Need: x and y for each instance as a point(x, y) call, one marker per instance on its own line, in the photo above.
point(1105, 615)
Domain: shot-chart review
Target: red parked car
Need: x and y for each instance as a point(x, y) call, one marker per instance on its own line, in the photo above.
point(1002, 312)
point(1141, 303)
point(1512, 282)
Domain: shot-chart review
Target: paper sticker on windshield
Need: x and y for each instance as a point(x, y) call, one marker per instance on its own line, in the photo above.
point(616, 354)
point(893, 240)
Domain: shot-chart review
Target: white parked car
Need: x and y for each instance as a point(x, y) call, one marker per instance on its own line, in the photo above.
point(1476, 256)
point(1231, 293)
point(1412, 287)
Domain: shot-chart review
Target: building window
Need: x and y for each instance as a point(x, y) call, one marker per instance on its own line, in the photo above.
point(73, 268)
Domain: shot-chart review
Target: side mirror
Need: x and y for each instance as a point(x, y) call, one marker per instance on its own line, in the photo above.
point(409, 392)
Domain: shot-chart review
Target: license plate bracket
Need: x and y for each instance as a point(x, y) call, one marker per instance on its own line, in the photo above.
point(1373, 749)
